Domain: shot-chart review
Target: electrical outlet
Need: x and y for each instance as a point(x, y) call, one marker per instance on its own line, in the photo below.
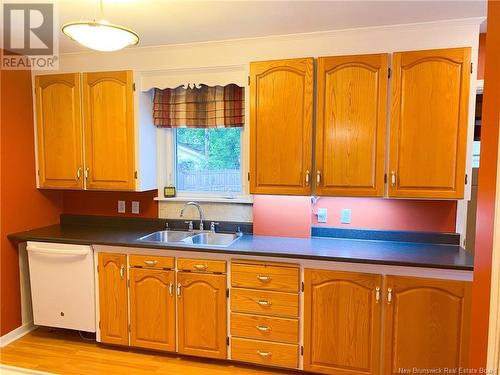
point(135, 207)
point(322, 215)
point(345, 216)
point(121, 207)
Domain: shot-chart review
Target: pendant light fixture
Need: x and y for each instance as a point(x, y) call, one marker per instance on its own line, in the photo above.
point(100, 35)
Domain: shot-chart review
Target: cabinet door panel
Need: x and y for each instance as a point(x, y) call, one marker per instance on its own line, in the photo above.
point(351, 125)
point(426, 324)
point(113, 303)
point(342, 320)
point(152, 309)
point(281, 94)
point(430, 100)
point(109, 130)
point(59, 131)
point(201, 309)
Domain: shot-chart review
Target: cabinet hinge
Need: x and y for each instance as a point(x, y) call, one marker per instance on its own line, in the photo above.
point(128, 283)
point(302, 286)
point(466, 178)
point(129, 327)
point(99, 324)
point(227, 292)
point(248, 80)
point(133, 86)
point(97, 268)
point(38, 172)
point(301, 350)
point(471, 67)
point(389, 72)
point(135, 175)
point(248, 176)
point(227, 340)
point(385, 178)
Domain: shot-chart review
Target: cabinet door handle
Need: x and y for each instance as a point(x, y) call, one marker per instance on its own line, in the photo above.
point(263, 328)
point(318, 178)
point(171, 289)
point(87, 173)
point(200, 267)
point(178, 289)
point(264, 302)
point(150, 262)
point(308, 177)
point(389, 296)
point(79, 173)
point(393, 178)
point(377, 294)
point(264, 354)
point(264, 278)
point(122, 271)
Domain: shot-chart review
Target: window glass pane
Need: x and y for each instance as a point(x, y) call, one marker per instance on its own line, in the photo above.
point(208, 159)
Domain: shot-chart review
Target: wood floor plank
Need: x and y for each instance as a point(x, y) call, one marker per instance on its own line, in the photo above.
point(64, 352)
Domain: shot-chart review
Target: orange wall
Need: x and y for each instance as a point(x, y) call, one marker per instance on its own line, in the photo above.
point(481, 56)
point(106, 203)
point(486, 191)
point(22, 206)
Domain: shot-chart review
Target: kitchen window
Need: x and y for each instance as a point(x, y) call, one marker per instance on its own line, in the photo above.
point(208, 160)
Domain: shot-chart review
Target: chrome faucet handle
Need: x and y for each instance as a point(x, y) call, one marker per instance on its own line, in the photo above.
point(212, 226)
point(190, 223)
point(166, 226)
point(201, 225)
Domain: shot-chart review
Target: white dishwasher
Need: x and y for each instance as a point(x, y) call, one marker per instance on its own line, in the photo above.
point(62, 285)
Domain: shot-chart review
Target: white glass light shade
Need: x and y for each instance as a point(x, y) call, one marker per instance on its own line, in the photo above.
point(100, 35)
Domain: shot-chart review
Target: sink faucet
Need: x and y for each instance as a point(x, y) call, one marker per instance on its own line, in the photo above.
point(200, 212)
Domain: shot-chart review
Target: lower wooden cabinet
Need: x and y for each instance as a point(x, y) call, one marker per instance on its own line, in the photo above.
point(152, 309)
point(201, 309)
point(342, 320)
point(113, 305)
point(426, 323)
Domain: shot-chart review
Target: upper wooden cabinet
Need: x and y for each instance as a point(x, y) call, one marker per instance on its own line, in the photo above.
point(281, 112)
point(93, 114)
point(109, 130)
point(113, 306)
point(430, 99)
point(342, 320)
point(350, 125)
point(59, 129)
point(427, 324)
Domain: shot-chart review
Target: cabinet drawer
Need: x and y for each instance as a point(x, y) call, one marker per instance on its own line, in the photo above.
point(265, 352)
point(265, 328)
point(151, 261)
point(262, 276)
point(202, 265)
point(264, 302)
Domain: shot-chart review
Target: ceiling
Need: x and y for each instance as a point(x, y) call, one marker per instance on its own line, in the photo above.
point(161, 22)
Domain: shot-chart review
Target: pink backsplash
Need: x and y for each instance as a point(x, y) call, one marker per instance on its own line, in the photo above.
point(291, 216)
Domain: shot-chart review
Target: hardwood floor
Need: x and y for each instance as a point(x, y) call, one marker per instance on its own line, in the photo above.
point(64, 352)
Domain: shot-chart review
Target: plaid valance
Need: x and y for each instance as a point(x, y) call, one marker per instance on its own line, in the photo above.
point(200, 107)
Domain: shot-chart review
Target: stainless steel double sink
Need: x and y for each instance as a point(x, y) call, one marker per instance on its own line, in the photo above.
point(205, 238)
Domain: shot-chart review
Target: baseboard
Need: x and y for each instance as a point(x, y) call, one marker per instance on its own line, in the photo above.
point(17, 333)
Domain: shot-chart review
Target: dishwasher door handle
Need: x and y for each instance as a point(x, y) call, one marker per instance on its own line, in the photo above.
point(35, 249)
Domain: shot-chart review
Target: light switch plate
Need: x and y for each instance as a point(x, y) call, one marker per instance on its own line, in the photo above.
point(135, 207)
point(322, 215)
point(345, 216)
point(121, 207)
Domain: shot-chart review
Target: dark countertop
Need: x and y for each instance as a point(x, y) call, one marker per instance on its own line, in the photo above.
point(319, 248)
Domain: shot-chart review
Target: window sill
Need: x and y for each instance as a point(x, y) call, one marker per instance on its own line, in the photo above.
point(238, 200)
